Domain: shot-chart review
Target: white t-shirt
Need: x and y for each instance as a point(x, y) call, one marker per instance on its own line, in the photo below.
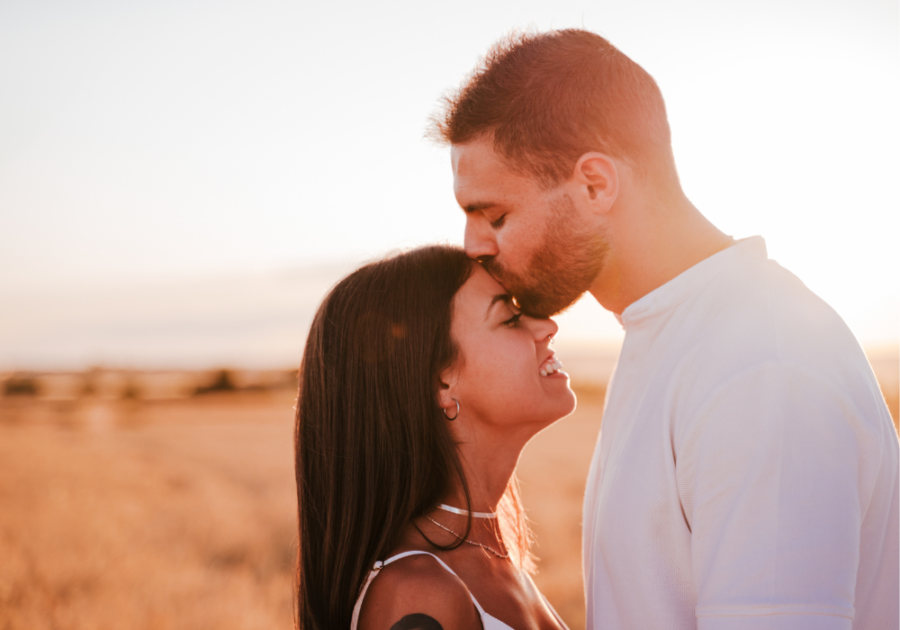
point(746, 475)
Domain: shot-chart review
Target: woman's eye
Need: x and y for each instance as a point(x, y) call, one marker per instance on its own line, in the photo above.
point(498, 223)
point(513, 321)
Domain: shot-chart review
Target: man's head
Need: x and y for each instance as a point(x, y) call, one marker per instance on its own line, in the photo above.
point(542, 247)
point(541, 134)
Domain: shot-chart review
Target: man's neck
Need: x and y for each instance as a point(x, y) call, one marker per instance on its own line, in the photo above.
point(649, 246)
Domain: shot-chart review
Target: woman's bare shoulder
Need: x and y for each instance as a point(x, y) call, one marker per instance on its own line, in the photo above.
point(417, 593)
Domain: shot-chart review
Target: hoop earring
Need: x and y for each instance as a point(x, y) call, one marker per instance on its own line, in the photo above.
point(457, 411)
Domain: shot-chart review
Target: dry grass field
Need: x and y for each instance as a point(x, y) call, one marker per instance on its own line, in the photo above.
point(179, 514)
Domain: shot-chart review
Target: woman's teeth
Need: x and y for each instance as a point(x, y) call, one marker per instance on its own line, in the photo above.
point(550, 367)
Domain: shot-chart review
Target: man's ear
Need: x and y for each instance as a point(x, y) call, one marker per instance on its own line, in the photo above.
point(597, 180)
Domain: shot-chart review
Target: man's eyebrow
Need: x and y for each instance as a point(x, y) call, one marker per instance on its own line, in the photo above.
point(475, 207)
point(500, 297)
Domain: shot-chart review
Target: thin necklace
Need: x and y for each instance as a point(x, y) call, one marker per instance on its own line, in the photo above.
point(461, 512)
point(502, 556)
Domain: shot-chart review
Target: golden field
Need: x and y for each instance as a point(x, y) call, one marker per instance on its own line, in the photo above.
point(179, 513)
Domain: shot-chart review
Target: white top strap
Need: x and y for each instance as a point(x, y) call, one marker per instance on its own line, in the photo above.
point(379, 565)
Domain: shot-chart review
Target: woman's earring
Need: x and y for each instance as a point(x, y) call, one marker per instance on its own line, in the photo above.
point(457, 411)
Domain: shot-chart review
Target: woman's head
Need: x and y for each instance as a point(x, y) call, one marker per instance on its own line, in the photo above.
point(504, 374)
point(389, 347)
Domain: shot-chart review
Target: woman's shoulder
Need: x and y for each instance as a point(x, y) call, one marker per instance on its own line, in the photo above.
point(417, 592)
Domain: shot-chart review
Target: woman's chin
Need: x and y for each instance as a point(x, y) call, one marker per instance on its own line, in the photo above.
point(573, 401)
point(565, 406)
point(560, 379)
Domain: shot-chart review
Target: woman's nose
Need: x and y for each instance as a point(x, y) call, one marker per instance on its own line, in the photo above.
point(543, 328)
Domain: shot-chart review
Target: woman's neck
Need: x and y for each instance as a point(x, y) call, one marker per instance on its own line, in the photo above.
point(488, 466)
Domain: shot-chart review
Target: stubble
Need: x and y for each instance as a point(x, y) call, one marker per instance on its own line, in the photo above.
point(560, 270)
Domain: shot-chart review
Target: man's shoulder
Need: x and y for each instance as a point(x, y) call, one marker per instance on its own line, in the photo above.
point(763, 323)
point(769, 293)
point(765, 314)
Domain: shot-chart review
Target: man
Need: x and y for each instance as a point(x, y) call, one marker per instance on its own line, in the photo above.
point(746, 476)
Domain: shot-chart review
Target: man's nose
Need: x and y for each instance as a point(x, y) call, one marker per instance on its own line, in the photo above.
point(479, 239)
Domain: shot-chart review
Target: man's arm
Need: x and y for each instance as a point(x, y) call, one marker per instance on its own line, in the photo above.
point(771, 479)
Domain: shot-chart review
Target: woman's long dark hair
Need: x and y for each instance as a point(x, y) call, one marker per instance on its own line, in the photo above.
point(372, 447)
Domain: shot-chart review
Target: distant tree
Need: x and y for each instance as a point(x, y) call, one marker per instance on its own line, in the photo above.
point(132, 390)
point(223, 382)
point(88, 386)
point(21, 385)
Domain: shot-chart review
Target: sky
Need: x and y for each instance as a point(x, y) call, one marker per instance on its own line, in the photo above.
point(180, 182)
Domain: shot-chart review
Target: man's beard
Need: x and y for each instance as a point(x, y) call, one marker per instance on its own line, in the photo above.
point(561, 269)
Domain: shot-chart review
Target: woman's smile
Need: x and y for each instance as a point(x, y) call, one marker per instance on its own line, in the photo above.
point(552, 367)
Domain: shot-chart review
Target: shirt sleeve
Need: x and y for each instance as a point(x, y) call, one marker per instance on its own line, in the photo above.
point(768, 471)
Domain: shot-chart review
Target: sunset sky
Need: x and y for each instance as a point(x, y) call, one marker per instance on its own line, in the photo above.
point(181, 181)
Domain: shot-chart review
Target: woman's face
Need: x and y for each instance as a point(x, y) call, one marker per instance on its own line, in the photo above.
point(506, 372)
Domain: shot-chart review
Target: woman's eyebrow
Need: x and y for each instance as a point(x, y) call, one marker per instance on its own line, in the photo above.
point(500, 297)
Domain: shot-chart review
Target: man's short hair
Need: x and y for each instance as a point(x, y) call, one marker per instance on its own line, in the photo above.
point(546, 99)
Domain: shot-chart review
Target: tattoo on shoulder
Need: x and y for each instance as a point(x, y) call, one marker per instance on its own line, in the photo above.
point(417, 621)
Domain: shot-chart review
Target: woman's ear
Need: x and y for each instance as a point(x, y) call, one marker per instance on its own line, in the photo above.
point(447, 389)
point(597, 179)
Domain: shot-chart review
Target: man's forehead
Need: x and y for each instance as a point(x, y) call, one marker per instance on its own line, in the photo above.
point(477, 167)
point(474, 155)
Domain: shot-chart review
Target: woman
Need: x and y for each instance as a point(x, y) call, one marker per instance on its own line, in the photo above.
point(421, 383)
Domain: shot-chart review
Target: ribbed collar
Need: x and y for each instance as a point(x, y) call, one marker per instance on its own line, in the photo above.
point(690, 281)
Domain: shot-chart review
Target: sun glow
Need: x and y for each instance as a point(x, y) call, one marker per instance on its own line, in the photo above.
point(155, 144)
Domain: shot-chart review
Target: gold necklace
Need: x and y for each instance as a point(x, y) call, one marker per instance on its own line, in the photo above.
point(502, 556)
